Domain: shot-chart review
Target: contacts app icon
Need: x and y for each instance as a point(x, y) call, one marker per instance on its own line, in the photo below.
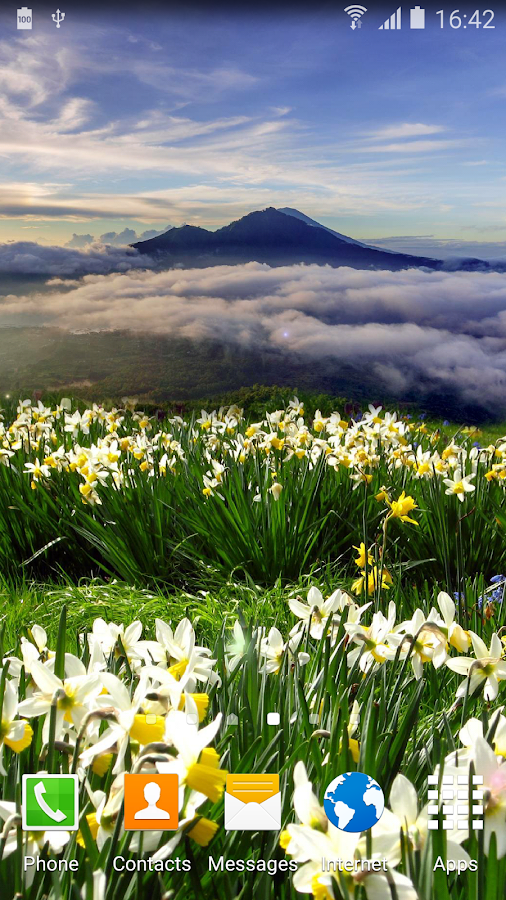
point(151, 802)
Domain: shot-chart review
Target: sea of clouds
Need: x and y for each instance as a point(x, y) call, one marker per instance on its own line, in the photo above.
point(409, 330)
point(27, 258)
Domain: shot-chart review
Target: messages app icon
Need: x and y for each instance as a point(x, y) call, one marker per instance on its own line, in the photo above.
point(50, 803)
point(252, 803)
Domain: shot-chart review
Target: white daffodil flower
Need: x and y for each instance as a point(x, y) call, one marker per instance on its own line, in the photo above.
point(102, 822)
point(99, 887)
point(311, 846)
point(305, 803)
point(404, 815)
point(127, 723)
point(178, 652)
point(316, 612)
point(492, 768)
point(173, 694)
point(428, 638)
point(37, 470)
point(372, 646)
point(197, 764)
point(273, 649)
point(14, 733)
point(455, 635)
point(473, 730)
point(486, 671)
point(236, 648)
point(108, 635)
point(72, 696)
point(460, 484)
point(31, 650)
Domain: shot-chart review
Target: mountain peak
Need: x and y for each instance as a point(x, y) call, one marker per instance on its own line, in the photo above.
point(276, 237)
point(288, 211)
point(265, 224)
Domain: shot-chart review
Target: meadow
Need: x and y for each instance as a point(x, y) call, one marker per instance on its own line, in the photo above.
point(346, 571)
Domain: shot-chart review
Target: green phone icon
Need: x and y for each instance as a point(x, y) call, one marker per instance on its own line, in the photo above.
point(50, 802)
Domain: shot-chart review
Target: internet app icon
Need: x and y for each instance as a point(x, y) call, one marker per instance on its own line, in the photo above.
point(50, 803)
point(354, 802)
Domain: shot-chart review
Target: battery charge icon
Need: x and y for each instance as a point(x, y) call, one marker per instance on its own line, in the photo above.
point(417, 17)
point(24, 19)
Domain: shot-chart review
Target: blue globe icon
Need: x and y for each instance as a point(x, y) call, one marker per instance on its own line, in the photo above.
point(354, 802)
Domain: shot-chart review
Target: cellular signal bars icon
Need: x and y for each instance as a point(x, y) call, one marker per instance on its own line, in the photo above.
point(455, 815)
point(393, 23)
point(355, 13)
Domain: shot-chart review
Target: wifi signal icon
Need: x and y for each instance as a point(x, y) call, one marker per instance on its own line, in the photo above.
point(355, 12)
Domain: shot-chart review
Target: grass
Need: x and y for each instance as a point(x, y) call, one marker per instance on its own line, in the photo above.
point(118, 602)
point(143, 518)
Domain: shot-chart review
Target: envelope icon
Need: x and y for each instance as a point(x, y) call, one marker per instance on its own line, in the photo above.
point(252, 803)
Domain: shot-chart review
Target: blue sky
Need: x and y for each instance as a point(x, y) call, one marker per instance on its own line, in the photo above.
point(122, 121)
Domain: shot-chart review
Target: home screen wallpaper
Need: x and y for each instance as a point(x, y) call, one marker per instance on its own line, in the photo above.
point(252, 452)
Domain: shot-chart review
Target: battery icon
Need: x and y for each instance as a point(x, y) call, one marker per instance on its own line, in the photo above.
point(24, 18)
point(417, 17)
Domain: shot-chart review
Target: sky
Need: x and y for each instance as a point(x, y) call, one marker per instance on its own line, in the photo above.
point(126, 120)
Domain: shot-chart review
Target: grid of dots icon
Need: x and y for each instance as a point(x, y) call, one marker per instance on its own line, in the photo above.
point(455, 805)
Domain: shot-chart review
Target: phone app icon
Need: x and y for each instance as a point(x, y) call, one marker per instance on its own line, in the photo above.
point(151, 802)
point(50, 803)
point(252, 803)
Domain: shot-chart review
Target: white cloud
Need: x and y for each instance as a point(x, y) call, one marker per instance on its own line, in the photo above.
point(230, 163)
point(74, 114)
point(214, 205)
point(165, 162)
point(405, 130)
point(281, 110)
point(113, 238)
point(31, 75)
point(421, 146)
point(189, 83)
point(79, 241)
point(45, 127)
point(29, 258)
point(412, 331)
point(440, 248)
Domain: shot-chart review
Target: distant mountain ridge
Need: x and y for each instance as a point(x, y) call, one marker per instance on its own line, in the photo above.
point(277, 237)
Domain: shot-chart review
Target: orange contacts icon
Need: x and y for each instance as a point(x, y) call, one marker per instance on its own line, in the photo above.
point(151, 802)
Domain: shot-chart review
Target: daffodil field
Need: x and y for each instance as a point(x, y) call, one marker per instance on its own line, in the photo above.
point(167, 581)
